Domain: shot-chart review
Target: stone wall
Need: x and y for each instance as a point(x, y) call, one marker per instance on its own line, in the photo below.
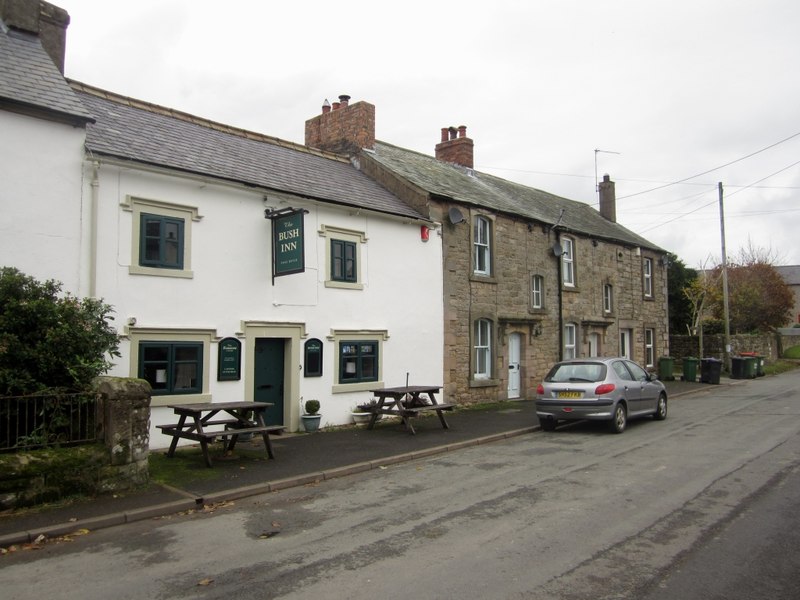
point(520, 250)
point(117, 462)
point(766, 345)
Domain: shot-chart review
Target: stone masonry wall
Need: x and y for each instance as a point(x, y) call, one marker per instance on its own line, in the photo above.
point(522, 249)
point(119, 461)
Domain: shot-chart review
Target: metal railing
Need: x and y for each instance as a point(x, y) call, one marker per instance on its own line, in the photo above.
point(28, 422)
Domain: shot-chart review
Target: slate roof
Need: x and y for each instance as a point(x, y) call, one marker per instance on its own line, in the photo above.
point(481, 189)
point(30, 82)
point(130, 129)
point(790, 274)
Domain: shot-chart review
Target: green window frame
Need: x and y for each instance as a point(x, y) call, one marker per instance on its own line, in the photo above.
point(161, 242)
point(344, 265)
point(358, 361)
point(172, 368)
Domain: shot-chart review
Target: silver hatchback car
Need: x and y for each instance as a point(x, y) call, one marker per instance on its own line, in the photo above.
point(599, 389)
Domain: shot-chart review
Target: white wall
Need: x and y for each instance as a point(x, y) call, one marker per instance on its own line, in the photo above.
point(40, 198)
point(232, 284)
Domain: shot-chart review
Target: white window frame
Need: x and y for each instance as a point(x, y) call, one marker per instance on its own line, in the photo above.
point(608, 298)
point(568, 262)
point(647, 277)
point(482, 246)
point(537, 292)
point(188, 214)
point(570, 341)
point(650, 347)
point(482, 349)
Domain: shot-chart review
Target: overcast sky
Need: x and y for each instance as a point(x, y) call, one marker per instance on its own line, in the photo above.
point(668, 91)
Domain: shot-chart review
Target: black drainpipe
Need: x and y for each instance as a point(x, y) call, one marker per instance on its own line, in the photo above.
point(560, 282)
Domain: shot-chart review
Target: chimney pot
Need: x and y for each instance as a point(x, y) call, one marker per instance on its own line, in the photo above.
point(455, 147)
point(344, 100)
point(326, 107)
point(336, 105)
point(608, 199)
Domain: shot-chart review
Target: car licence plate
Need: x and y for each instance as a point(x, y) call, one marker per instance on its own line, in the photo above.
point(569, 395)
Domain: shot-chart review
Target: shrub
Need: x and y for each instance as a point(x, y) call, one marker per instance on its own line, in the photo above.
point(49, 339)
point(312, 407)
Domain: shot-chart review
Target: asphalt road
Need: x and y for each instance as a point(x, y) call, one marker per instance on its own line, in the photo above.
point(697, 506)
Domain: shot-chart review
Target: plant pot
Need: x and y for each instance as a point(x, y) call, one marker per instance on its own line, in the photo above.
point(311, 422)
point(363, 417)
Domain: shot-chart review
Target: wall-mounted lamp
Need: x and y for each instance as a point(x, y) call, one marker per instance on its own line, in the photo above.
point(131, 321)
point(537, 330)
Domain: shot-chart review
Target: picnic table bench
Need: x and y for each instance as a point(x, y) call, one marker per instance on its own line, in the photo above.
point(195, 418)
point(407, 402)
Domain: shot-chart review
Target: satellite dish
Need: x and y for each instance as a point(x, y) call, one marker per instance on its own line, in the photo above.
point(557, 249)
point(455, 215)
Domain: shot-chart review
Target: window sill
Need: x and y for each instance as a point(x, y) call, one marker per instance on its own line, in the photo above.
point(483, 383)
point(179, 399)
point(343, 285)
point(482, 278)
point(178, 273)
point(364, 386)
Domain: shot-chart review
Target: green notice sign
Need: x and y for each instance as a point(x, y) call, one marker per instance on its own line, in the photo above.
point(230, 360)
point(288, 244)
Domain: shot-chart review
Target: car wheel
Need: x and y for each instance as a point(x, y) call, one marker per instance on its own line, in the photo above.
point(620, 419)
point(548, 424)
point(661, 408)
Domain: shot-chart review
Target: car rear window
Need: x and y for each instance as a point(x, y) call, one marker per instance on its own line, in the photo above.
point(577, 372)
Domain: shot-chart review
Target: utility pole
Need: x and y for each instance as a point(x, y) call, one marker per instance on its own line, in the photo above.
point(725, 283)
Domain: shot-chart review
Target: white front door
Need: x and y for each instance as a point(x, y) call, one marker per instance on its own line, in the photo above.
point(513, 365)
point(625, 336)
point(594, 344)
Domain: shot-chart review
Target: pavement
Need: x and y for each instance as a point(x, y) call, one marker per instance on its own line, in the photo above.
point(300, 459)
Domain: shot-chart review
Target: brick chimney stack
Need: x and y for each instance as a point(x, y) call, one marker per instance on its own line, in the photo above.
point(342, 127)
point(455, 147)
point(608, 199)
point(40, 18)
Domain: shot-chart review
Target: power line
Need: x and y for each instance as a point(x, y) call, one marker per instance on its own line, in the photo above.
point(729, 195)
point(711, 170)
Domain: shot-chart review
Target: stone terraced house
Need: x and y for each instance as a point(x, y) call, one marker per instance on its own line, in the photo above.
point(528, 277)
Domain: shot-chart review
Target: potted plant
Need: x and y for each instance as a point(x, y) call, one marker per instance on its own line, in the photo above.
point(362, 413)
point(311, 418)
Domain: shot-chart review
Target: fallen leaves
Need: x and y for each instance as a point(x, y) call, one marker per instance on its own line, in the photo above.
point(42, 540)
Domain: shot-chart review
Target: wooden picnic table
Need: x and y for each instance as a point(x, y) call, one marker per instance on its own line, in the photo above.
point(193, 419)
point(407, 402)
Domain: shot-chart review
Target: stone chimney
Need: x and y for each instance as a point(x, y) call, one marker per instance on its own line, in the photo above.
point(455, 147)
point(342, 127)
point(608, 199)
point(40, 18)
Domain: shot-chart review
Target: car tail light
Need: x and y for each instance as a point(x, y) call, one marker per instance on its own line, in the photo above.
point(540, 389)
point(605, 388)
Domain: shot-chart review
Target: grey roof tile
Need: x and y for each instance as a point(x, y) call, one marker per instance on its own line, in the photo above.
point(134, 130)
point(28, 78)
point(494, 193)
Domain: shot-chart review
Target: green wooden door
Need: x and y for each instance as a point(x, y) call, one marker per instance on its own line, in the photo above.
point(268, 377)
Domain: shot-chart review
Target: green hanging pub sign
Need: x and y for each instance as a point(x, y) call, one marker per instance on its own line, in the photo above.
point(288, 241)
